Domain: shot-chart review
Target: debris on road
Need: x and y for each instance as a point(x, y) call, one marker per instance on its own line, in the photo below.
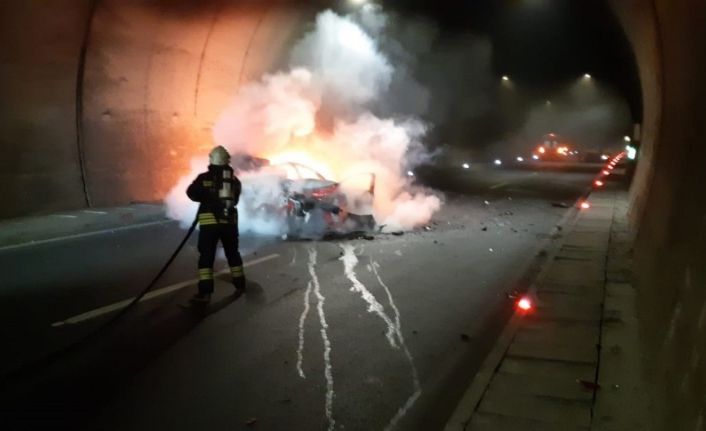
point(485, 229)
point(589, 385)
point(397, 233)
point(560, 204)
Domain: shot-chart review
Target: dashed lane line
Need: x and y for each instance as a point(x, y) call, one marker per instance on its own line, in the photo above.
point(150, 295)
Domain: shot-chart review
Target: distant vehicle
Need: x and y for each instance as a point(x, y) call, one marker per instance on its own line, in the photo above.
point(314, 205)
point(553, 148)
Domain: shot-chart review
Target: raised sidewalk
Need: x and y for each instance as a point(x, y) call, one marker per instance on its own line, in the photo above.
point(573, 363)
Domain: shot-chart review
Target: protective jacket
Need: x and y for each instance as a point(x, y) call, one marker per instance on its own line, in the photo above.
point(218, 192)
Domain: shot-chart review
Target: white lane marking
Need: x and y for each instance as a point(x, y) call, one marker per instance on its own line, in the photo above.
point(324, 336)
point(84, 235)
point(350, 260)
point(302, 320)
point(64, 215)
point(497, 186)
point(398, 330)
point(95, 212)
point(153, 294)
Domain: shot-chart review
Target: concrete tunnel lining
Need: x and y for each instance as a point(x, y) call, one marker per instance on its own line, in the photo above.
point(156, 75)
point(154, 79)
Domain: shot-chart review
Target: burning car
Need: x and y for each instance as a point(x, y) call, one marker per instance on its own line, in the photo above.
point(309, 203)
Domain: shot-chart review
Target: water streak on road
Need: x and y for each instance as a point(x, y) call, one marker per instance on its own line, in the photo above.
point(328, 374)
point(350, 260)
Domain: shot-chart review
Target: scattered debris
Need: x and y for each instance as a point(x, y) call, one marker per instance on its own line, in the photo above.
point(514, 294)
point(485, 229)
point(560, 204)
point(397, 233)
point(465, 337)
point(251, 422)
point(513, 229)
point(592, 386)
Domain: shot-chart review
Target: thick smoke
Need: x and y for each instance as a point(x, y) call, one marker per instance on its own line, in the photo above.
point(319, 113)
point(591, 117)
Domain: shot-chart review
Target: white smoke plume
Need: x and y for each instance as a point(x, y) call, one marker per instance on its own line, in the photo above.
point(318, 113)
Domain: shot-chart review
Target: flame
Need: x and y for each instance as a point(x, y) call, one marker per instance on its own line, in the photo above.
point(302, 158)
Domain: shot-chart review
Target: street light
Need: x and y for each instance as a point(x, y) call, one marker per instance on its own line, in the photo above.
point(586, 76)
point(466, 166)
point(505, 78)
point(626, 138)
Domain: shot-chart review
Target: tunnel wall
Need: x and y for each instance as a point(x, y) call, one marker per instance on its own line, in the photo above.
point(669, 205)
point(120, 122)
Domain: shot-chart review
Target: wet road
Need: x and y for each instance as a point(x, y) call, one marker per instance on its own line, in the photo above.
point(356, 335)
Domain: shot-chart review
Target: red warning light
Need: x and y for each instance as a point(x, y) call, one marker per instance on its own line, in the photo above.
point(606, 172)
point(598, 183)
point(524, 304)
point(585, 205)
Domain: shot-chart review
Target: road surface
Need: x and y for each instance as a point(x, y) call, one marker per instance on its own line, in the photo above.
point(348, 334)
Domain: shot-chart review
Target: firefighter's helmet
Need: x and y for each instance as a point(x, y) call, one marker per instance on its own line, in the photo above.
point(219, 156)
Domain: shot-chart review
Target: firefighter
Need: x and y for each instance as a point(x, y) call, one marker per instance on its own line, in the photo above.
point(217, 191)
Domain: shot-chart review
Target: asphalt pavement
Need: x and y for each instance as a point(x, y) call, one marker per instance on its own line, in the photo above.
point(360, 334)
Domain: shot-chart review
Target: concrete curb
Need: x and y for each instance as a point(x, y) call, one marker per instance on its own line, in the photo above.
point(470, 400)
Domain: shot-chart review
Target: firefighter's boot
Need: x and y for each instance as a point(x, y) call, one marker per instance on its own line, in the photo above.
point(238, 278)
